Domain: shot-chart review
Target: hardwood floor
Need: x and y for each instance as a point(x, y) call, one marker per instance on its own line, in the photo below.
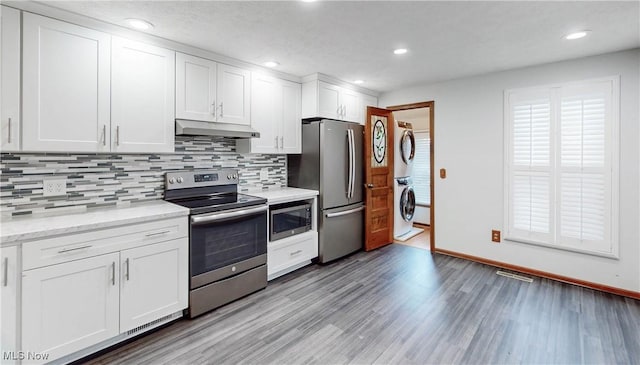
point(402, 305)
point(420, 241)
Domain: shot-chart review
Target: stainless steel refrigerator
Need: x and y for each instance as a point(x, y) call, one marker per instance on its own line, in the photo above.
point(332, 163)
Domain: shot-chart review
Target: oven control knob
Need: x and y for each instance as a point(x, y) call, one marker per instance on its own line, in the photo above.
point(179, 179)
point(229, 177)
point(172, 180)
point(235, 176)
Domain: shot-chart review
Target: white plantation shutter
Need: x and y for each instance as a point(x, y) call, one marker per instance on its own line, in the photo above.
point(560, 166)
point(530, 168)
point(585, 167)
point(422, 169)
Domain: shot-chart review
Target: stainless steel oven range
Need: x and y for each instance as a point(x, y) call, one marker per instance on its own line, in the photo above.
point(227, 236)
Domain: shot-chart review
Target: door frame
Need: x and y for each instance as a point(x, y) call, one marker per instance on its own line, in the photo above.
point(430, 105)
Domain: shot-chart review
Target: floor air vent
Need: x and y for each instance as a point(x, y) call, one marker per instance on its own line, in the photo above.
point(514, 276)
point(150, 324)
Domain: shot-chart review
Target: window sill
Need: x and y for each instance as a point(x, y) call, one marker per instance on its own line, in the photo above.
point(613, 256)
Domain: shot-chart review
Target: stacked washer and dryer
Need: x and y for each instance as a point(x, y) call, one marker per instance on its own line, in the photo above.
point(404, 196)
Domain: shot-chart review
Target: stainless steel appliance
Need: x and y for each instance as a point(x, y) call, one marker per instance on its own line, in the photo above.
point(289, 219)
point(227, 237)
point(332, 163)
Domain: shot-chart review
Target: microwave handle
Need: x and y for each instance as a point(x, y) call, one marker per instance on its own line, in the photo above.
point(208, 218)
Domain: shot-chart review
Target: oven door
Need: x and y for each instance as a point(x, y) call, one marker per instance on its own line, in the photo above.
point(226, 243)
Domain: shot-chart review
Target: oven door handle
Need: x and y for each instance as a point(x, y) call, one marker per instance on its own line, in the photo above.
point(208, 218)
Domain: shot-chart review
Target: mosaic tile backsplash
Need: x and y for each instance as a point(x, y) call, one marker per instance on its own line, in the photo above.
point(104, 180)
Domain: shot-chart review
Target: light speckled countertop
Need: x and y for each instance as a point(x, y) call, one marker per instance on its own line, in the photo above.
point(15, 230)
point(286, 194)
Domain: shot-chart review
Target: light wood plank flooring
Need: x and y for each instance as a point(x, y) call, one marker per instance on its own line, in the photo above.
point(401, 305)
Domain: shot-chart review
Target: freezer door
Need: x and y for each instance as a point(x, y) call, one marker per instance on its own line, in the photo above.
point(341, 232)
point(335, 167)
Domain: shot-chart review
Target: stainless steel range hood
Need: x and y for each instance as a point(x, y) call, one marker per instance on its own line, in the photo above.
point(197, 128)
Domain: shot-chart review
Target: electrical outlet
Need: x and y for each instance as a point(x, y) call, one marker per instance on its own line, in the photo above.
point(264, 173)
point(495, 235)
point(443, 173)
point(54, 187)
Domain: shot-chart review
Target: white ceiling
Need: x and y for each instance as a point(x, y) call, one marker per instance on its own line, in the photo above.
point(354, 39)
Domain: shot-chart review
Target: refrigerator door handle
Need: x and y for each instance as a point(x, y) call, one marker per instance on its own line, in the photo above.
point(351, 163)
point(346, 212)
point(350, 167)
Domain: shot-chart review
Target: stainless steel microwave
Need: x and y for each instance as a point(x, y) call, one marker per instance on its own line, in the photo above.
point(289, 219)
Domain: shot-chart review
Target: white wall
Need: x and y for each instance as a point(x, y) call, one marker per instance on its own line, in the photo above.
point(468, 137)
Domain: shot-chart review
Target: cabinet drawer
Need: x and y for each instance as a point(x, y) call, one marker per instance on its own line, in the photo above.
point(291, 251)
point(71, 247)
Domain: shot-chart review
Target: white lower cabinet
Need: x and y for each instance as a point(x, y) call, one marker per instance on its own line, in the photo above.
point(9, 299)
point(286, 254)
point(83, 289)
point(154, 282)
point(70, 306)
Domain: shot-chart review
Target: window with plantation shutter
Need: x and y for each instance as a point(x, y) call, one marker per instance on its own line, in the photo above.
point(421, 169)
point(560, 166)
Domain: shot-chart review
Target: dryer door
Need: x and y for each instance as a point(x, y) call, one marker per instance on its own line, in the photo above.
point(407, 203)
point(407, 146)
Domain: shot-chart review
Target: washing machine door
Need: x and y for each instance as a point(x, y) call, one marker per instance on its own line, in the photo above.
point(407, 203)
point(407, 146)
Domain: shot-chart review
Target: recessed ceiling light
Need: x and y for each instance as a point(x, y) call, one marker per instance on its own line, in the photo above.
point(308, 1)
point(400, 51)
point(577, 35)
point(271, 64)
point(358, 82)
point(139, 24)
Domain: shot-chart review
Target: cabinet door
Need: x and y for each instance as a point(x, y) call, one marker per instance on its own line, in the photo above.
point(143, 97)
point(8, 296)
point(70, 306)
point(195, 88)
point(350, 103)
point(328, 100)
point(264, 113)
point(66, 71)
point(291, 118)
point(154, 282)
point(233, 95)
point(367, 100)
point(10, 80)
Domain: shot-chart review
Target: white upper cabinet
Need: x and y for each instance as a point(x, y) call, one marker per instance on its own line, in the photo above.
point(233, 95)
point(10, 79)
point(321, 99)
point(143, 94)
point(212, 92)
point(291, 132)
point(195, 88)
point(66, 86)
point(275, 113)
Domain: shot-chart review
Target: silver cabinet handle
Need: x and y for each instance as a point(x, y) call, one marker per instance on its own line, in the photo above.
point(207, 218)
point(295, 253)
point(346, 212)
point(281, 142)
point(221, 111)
point(104, 134)
point(118, 135)
point(156, 233)
point(113, 273)
point(276, 142)
point(213, 107)
point(5, 272)
point(74, 249)
point(126, 275)
point(9, 134)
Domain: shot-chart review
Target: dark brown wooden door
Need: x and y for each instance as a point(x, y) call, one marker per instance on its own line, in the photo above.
point(378, 163)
